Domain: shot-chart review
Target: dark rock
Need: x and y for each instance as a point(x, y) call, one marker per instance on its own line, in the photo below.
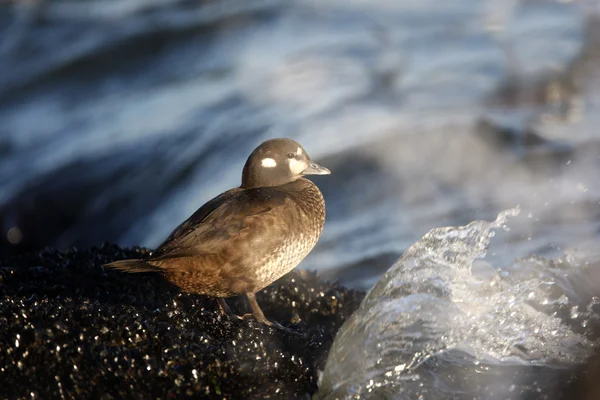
point(71, 328)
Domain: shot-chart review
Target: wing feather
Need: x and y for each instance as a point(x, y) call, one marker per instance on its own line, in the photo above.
point(232, 224)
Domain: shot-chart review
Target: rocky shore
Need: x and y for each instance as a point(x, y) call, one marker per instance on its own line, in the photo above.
point(72, 329)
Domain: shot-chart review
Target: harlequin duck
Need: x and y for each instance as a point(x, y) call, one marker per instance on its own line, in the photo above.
point(248, 237)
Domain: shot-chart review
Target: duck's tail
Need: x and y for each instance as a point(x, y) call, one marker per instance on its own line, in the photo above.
point(133, 266)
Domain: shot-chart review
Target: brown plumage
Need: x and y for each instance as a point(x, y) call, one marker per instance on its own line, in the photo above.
point(246, 238)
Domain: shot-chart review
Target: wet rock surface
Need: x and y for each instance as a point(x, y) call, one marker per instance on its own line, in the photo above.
point(72, 329)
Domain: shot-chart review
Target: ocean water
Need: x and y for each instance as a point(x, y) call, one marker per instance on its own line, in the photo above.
point(119, 119)
point(445, 323)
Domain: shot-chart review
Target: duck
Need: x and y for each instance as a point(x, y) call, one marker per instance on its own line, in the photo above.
point(247, 237)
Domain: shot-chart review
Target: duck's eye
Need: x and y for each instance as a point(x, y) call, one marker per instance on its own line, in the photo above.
point(291, 155)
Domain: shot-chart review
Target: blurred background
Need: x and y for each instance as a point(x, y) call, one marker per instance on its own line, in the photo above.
point(119, 118)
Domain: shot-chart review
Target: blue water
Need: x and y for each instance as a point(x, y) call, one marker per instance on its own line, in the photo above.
point(120, 119)
point(446, 323)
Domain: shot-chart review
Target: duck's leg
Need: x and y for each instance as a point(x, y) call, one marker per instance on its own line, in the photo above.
point(256, 311)
point(225, 310)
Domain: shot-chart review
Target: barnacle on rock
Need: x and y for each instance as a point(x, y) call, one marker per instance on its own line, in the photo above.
point(70, 326)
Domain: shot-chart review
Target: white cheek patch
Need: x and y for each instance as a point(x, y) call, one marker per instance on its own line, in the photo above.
point(268, 163)
point(297, 166)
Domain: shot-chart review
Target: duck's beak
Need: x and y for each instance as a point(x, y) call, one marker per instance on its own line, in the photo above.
point(315, 169)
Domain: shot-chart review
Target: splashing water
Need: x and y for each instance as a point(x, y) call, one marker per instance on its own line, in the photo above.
point(442, 323)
